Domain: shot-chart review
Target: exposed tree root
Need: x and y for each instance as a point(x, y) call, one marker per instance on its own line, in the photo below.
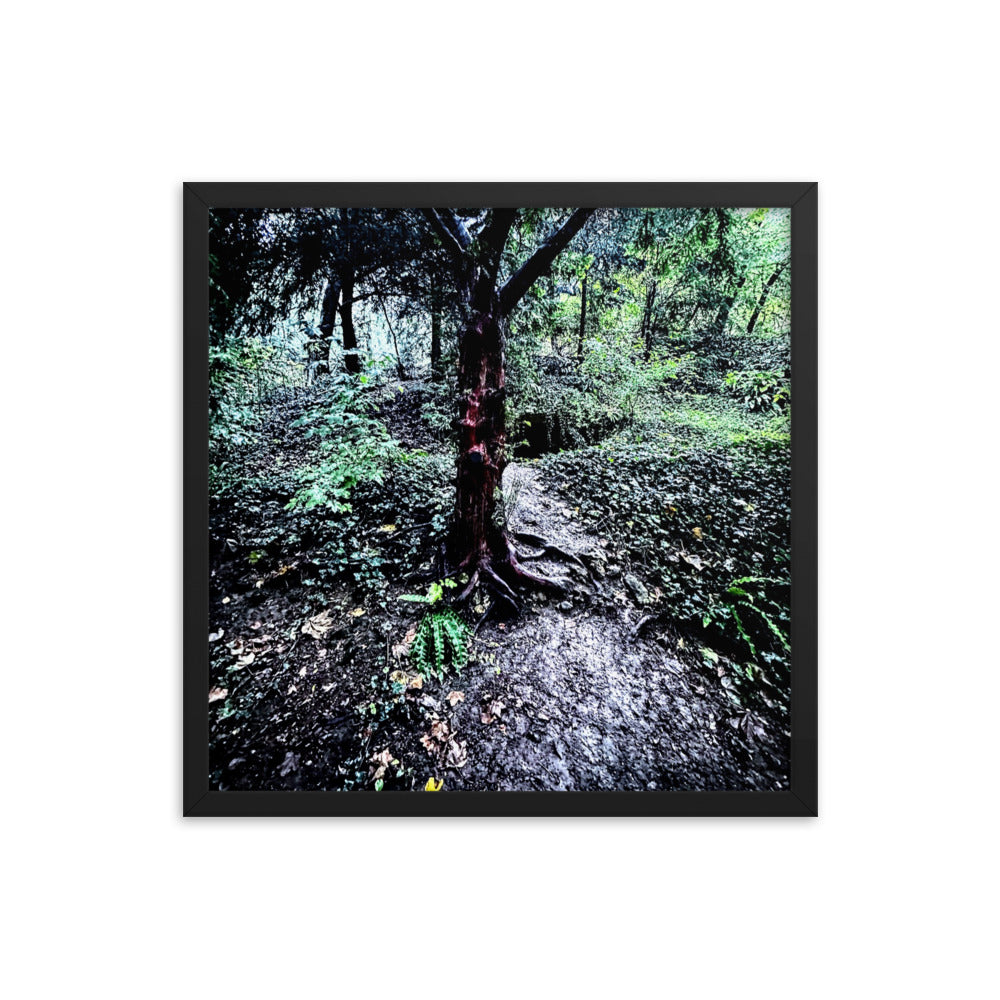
point(500, 574)
point(503, 587)
point(550, 550)
point(529, 538)
point(469, 587)
point(555, 550)
point(544, 582)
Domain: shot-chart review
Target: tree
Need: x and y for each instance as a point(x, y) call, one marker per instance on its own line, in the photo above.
point(475, 246)
point(762, 301)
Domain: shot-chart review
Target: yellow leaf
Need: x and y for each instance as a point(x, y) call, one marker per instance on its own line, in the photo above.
point(357, 612)
point(433, 785)
point(388, 528)
point(697, 533)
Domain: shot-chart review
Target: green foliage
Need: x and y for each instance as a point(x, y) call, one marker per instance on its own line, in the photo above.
point(243, 375)
point(353, 447)
point(441, 643)
point(702, 421)
point(759, 390)
point(757, 608)
point(435, 592)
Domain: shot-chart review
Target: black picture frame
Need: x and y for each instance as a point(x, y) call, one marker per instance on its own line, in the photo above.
point(800, 800)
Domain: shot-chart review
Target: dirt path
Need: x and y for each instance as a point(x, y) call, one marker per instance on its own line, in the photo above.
point(580, 703)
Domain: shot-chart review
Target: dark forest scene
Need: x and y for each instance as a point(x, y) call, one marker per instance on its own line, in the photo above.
point(499, 499)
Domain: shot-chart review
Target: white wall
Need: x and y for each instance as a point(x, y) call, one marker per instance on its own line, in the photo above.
point(109, 107)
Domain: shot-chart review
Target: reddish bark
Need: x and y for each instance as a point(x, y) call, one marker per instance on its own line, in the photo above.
point(480, 544)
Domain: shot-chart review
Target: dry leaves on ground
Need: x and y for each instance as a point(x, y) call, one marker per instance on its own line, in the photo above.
point(318, 625)
point(413, 681)
point(491, 711)
point(440, 742)
point(382, 761)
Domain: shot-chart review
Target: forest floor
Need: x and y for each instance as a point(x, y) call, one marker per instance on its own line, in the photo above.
point(598, 688)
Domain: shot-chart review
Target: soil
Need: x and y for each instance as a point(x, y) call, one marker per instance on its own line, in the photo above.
point(583, 691)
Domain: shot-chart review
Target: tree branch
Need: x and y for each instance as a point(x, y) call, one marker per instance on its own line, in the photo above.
point(539, 262)
point(445, 233)
point(494, 237)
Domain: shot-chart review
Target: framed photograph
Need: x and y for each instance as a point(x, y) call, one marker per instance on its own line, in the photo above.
point(500, 492)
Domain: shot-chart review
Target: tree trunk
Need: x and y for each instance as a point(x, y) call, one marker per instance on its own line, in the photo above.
point(647, 319)
point(436, 372)
point(583, 320)
point(722, 317)
point(352, 362)
point(319, 349)
point(763, 298)
point(400, 370)
point(481, 437)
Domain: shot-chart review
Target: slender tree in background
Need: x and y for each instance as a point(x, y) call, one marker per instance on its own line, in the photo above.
point(762, 301)
point(480, 543)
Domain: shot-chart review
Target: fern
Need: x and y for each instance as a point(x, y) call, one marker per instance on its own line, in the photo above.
point(441, 643)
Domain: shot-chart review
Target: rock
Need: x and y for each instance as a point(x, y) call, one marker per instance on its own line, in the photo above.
point(638, 590)
point(596, 559)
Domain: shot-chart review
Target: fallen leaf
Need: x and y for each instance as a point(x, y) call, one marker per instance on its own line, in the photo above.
point(383, 760)
point(457, 755)
point(697, 533)
point(388, 528)
point(491, 712)
point(454, 698)
point(217, 694)
point(407, 680)
point(440, 730)
point(216, 636)
point(357, 612)
point(693, 561)
point(244, 661)
point(434, 785)
point(318, 625)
